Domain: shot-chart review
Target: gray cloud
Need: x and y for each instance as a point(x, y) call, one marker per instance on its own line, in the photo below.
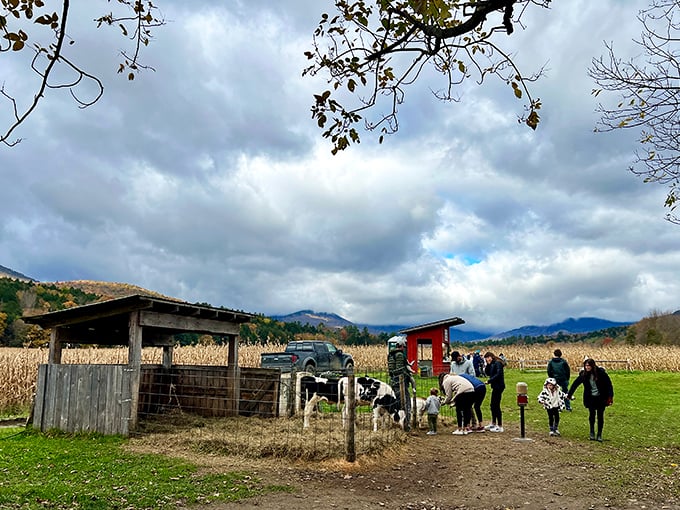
point(207, 180)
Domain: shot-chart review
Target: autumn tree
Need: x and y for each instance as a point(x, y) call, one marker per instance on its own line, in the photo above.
point(649, 97)
point(370, 52)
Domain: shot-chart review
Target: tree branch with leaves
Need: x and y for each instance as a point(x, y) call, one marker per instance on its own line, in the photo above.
point(370, 52)
point(649, 97)
point(29, 25)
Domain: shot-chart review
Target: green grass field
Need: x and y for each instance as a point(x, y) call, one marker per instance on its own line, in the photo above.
point(93, 472)
point(645, 413)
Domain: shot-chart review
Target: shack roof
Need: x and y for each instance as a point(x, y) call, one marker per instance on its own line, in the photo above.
point(107, 322)
point(446, 323)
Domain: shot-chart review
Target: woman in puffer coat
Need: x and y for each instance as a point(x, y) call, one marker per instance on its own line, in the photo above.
point(598, 394)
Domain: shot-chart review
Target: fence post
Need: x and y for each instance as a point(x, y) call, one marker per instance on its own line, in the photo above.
point(350, 405)
point(414, 405)
point(292, 393)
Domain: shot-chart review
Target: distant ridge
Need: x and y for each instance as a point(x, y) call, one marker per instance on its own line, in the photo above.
point(329, 320)
point(110, 290)
point(568, 326)
point(6, 272)
point(334, 321)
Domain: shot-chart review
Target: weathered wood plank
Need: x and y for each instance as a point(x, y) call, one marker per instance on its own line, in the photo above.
point(187, 323)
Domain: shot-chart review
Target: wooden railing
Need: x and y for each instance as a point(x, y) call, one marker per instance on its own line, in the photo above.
point(539, 365)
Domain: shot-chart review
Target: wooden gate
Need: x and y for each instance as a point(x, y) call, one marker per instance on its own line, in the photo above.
point(83, 398)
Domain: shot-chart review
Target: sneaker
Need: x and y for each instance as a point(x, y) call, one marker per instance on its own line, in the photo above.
point(458, 432)
point(557, 432)
point(480, 429)
point(552, 432)
point(599, 438)
point(431, 433)
point(592, 436)
point(490, 426)
point(497, 429)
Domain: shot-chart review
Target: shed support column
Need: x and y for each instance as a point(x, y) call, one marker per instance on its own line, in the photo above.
point(167, 353)
point(234, 376)
point(134, 365)
point(55, 346)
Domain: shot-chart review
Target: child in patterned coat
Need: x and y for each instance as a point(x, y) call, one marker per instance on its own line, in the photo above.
point(552, 398)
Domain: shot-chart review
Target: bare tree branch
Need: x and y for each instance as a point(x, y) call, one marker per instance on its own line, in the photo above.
point(649, 95)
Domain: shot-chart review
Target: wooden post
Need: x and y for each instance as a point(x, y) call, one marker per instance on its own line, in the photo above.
point(134, 365)
point(414, 405)
point(233, 381)
point(167, 352)
point(350, 445)
point(55, 346)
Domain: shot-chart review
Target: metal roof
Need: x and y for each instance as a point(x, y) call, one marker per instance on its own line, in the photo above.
point(446, 323)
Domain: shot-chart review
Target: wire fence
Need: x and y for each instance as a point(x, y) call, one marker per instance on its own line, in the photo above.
point(293, 415)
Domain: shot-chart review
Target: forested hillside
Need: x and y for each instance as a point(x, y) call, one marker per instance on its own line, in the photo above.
point(26, 297)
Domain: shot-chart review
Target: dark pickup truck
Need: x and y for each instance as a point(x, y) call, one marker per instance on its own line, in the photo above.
point(308, 355)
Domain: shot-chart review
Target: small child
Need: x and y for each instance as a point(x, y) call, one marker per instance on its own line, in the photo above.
point(432, 406)
point(552, 398)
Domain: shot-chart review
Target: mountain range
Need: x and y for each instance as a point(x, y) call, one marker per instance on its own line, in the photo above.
point(334, 321)
point(567, 326)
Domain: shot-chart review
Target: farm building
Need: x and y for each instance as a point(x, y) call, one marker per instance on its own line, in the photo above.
point(110, 399)
point(428, 345)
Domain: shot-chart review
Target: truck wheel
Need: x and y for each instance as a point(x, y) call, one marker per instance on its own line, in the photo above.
point(309, 367)
point(348, 367)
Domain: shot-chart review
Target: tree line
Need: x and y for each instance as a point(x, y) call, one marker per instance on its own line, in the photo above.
point(19, 297)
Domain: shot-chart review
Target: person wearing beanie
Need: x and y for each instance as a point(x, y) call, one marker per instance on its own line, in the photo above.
point(558, 369)
point(461, 365)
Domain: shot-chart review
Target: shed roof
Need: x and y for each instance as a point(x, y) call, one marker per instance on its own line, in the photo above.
point(107, 322)
point(446, 323)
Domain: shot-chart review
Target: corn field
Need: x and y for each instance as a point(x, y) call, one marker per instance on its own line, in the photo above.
point(19, 366)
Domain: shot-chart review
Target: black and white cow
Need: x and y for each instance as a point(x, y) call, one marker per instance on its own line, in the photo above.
point(326, 389)
point(378, 394)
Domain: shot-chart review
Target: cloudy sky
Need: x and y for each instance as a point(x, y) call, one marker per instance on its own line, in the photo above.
point(207, 180)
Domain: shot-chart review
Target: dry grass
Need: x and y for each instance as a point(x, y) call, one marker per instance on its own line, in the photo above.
point(257, 438)
point(19, 366)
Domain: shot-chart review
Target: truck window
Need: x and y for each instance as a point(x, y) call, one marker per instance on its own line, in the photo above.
point(331, 348)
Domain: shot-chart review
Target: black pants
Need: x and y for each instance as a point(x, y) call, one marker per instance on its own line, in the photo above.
point(598, 412)
point(480, 395)
point(496, 413)
point(554, 417)
point(464, 403)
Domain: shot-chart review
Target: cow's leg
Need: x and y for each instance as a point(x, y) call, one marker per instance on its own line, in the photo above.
point(376, 417)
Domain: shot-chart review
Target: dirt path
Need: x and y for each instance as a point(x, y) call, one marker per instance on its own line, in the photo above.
point(483, 471)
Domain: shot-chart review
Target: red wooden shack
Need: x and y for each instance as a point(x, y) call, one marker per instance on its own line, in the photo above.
point(428, 346)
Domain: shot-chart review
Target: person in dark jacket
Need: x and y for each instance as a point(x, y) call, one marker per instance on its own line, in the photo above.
point(496, 379)
point(598, 393)
point(558, 369)
point(478, 364)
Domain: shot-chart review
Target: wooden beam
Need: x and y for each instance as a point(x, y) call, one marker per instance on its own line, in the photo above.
point(234, 375)
point(134, 365)
point(185, 323)
point(56, 336)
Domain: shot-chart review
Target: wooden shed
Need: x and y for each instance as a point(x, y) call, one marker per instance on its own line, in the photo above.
point(428, 345)
point(109, 399)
